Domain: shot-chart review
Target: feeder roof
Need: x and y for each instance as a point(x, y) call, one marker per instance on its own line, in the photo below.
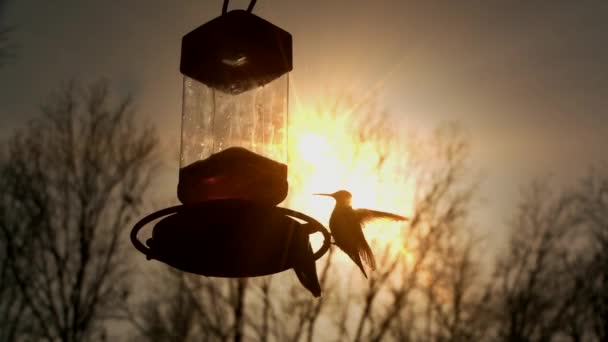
point(236, 52)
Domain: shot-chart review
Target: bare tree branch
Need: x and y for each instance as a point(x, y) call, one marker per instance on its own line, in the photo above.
point(546, 232)
point(434, 268)
point(74, 180)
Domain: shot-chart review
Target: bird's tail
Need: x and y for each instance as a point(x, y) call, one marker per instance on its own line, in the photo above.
point(355, 257)
point(367, 255)
point(362, 270)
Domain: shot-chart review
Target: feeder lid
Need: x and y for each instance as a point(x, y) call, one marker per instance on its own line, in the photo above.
point(236, 52)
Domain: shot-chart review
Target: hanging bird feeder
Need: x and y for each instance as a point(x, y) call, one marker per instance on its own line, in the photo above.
point(232, 160)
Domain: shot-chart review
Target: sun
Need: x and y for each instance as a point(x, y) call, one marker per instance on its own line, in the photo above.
point(327, 154)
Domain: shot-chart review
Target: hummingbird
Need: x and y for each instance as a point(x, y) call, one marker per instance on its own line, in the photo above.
point(346, 226)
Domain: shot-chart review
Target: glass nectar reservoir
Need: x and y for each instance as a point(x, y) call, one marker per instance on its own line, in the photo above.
point(235, 110)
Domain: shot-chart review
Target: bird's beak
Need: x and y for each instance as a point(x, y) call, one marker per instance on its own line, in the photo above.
point(329, 195)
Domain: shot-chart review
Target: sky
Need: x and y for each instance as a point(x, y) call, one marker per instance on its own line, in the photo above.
point(528, 80)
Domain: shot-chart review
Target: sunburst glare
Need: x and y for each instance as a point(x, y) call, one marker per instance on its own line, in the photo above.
point(331, 149)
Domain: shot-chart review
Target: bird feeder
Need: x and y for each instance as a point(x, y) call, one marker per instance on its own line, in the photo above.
point(232, 159)
point(235, 94)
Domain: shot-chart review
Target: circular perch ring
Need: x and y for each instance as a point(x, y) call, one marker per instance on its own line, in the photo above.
point(316, 227)
point(139, 225)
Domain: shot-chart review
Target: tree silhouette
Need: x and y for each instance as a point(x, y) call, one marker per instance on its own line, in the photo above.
point(400, 301)
point(592, 270)
point(387, 307)
point(194, 308)
point(71, 182)
point(536, 283)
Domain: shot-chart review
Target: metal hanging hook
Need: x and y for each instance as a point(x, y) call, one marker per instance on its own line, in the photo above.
point(249, 8)
point(251, 4)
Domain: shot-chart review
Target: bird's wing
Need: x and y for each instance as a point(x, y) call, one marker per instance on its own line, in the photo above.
point(367, 215)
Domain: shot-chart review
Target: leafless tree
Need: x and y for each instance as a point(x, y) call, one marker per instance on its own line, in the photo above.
point(304, 309)
point(439, 262)
point(405, 283)
point(593, 273)
point(172, 315)
point(440, 252)
point(274, 308)
point(72, 181)
point(456, 298)
point(195, 308)
point(537, 285)
point(13, 307)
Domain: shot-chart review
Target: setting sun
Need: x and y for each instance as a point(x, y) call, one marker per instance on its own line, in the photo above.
point(327, 154)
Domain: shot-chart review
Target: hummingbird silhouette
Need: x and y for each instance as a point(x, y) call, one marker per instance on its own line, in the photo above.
point(346, 226)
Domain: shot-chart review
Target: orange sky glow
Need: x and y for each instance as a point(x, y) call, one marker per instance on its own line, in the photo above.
point(325, 156)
